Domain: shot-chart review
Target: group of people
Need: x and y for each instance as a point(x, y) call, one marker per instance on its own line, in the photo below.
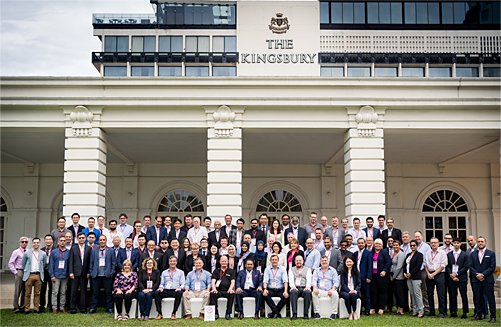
point(379, 266)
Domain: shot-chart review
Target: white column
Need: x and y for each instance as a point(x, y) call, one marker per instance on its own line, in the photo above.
point(224, 163)
point(84, 166)
point(364, 166)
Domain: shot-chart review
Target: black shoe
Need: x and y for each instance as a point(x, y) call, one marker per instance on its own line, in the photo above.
point(430, 314)
point(83, 311)
point(73, 311)
point(478, 318)
point(92, 311)
point(271, 315)
point(464, 316)
point(332, 317)
point(27, 312)
point(228, 317)
point(454, 315)
point(110, 311)
point(256, 316)
point(41, 310)
point(18, 311)
point(317, 316)
point(305, 317)
point(367, 313)
point(294, 317)
point(492, 320)
point(441, 316)
point(278, 315)
point(217, 316)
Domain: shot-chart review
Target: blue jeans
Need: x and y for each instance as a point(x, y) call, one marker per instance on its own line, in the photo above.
point(145, 302)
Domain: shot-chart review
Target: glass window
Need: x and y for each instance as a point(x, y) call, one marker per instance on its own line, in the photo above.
point(447, 13)
point(170, 44)
point(137, 44)
point(197, 71)
point(413, 71)
point(197, 44)
point(115, 70)
point(466, 71)
point(347, 12)
point(385, 71)
point(359, 71)
point(224, 71)
point(410, 12)
point(149, 44)
point(359, 13)
point(224, 44)
point(116, 44)
point(324, 13)
point(492, 71)
point(384, 13)
point(122, 44)
point(372, 13)
point(143, 44)
point(331, 71)
point(337, 12)
point(433, 13)
point(169, 71)
point(459, 12)
point(218, 44)
point(142, 71)
point(396, 12)
point(439, 72)
point(421, 13)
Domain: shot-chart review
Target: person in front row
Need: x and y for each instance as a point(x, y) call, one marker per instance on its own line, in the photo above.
point(275, 284)
point(33, 264)
point(223, 285)
point(197, 286)
point(350, 287)
point(325, 283)
point(300, 285)
point(101, 267)
point(249, 284)
point(171, 286)
point(148, 281)
point(79, 273)
point(124, 289)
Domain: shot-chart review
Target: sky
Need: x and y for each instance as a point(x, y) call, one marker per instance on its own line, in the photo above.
point(54, 37)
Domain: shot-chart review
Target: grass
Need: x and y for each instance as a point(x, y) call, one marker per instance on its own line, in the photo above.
point(8, 318)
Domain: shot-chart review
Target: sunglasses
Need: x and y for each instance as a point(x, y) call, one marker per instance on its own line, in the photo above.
point(24, 241)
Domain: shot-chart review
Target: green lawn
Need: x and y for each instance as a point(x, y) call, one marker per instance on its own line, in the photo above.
point(8, 318)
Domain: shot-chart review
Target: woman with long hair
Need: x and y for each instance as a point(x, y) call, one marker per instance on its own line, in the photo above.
point(350, 287)
point(124, 289)
point(276, 248)
point(136, 232)
point(276, 231)
point(397, 275)
point(186, 246)
point(212, 258)
point(149, 280)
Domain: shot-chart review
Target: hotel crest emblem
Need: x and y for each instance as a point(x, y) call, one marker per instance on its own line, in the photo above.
point(279, 24)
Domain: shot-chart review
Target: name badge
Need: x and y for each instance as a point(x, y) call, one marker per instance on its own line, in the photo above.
point(259, 268)
point(198, 286)
point(47, 259)
point(312, 235)
point(322, 284)
point(455, 268)
point(374, 265)
point(102, 262)
point(273, 284)
point(218, 283)
point(247, 285)
point(169, 285)
point(253, 242)
point(61, 264)
point(298, 281)
point(149, 284)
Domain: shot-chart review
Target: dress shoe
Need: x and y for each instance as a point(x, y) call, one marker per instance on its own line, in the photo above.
point(317, 316)
point(228, 317)
point(256, 316)
point(73, 311)
point(19, 311)
point(454, 315)
point(464, 316)
point(159, 317)
point(216, 316)
point(478, 318)
point(430, 314)
point(492, 320)
point(294, 317)
point(188, 317)
point(27, 312)
point(305, 317)
point(91, 311)
point(173, 317)
point(271, 315)
point(332, 317)
point(278, 315)
point(240, 316)
point(441, 316)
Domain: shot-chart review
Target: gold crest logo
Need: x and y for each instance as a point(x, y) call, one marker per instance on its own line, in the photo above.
point(279, 24)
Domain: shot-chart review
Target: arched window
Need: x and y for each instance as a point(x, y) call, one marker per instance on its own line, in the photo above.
point(180, 201)
point(3, 205)
point(279, 201)
point(3, 210)
point(446, 211)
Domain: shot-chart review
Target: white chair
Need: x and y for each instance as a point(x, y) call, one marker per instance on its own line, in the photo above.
point(249, 305)
point(343, 312)
point(267, 308)
point(132, 312)
point(153, 311)
point(196, 306)
point(325, 307)
point(168, 306)
point(221, 307)
point(300, 307)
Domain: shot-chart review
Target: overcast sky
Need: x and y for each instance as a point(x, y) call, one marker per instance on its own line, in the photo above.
point(54, 37)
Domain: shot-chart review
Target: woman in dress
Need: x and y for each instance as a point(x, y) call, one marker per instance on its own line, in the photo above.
point(149, 280)
point(124, 289)
point(350, 287)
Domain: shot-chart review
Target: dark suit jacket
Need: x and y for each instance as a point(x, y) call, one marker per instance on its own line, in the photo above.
point(487, 267)
point(189, 263)
point(299, 253)
point(143, 279)
point(301, 236)
point(110, 262)
point(335, 260)
point(463, 263)
point(395, 233)
point(376, 233)
point(232, 234)
point(75, 265)
point(136, 253)
point(122, 256)
point(207, 265)
point(257, 234)
point(383, 262)
point(73, 231)
point(257, 278)
point(151, 234)
point(158, 256)
point(344, 283)
point(365, 264)
point(212, 237)
point(181, 258)
point(172, 234)
point(414, 265)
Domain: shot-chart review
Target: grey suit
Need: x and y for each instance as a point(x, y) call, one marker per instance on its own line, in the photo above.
point(335, 259)
point(340, 236)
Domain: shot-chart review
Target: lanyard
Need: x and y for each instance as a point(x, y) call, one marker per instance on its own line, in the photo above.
point(274, 274)
point(35, 255)
point(433, 256)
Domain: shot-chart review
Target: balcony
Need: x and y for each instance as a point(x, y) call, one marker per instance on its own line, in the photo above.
point(124, 21)
point(164, 57)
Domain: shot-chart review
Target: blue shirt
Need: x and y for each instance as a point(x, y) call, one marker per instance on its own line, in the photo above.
point(275, 277)
point(204, 277)
point(312, 258)
point(325, 280)
point(56, 267)
point(96, 231)
point(172, 281)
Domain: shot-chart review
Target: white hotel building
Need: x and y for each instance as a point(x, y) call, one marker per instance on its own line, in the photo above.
point(348, 108)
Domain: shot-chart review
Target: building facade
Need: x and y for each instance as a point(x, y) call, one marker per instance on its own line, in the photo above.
point(351, 109)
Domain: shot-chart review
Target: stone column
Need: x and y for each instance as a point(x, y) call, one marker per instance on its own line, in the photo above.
point(84, 164)
point(224, 162)
point(364, 177)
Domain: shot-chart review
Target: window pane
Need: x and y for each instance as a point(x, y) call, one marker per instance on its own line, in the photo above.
point(385, 71)
point(189, 13)
point(224, 71)
point(149, 44)
point(110, 43)
point(492, 71)
point(433, 13)
point(421, 13)
point(197, 71)
point(164, 44)
point(191, 44)
point(176, 44)
point(439, 72)
point(324, 13)
point(337, 13)
point(230, 44)
point(347, 12)
point(447, 13)
point(122, 44)
point(410, 12)
point(331, 71)
point(384, 13)
point(359, 13)
point(459, 12)
point(218, 44)
point(372, 13)
point(115, 71)
point(142, 71)
point(359, 71)
point(396, 12)
point(466, 71)
point(203, 44)
point(137, 44)
point(169, 71)
point(412, 71)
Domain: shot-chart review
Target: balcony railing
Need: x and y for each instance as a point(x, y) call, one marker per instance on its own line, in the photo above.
point(123, 19)
point(164, 57)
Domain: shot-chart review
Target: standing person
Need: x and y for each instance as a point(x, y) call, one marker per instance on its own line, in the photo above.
point(152, 253)
point(228, 227)
point(249, 284)
point(350, 287)
point(423, 247)
point(196, 233)
point(381, 223)
point(128, 254)
point(168, 224)
point(124, 289)
point(391, 231)
point(435, 262)
point(101, 226)
point(286, 220)
point(215, 235)
point(33, 274)
point(255, 233)
point(325, 282)
point(325, 223)
point(311, 255)
point(276, 232)
point(79, 273)
point(312, 225)
point(112, 233)
point(58, 272)
point(381, 266)
point(123, 227)
point(300, 233)
point(46, 291)
point(334, 255)
point(102, 267)
point(175, 251)
point(91, 222)
point(189, 264)
point(413, 264)
point(334, 233)
point(146, 224)
point(75, 228)
point(482, 267)
point(16, 268)
point(275, 284)
point(405, 247)
point(197, 285)
point(293, 253)
point(60, 230)
point(148, 282)
point(223, 285)
point(300, 279)
point(244, 255)
point(397, 276)
point(370, 230)
point(458, 264)
point(188, 223)
point(356, 232)
point(264, 224)
point(237, 237)
point(135, 234)
point(177, 232)
point(363, 258)
point(212, 259)
point(319, 240)
point(472, 244)
point(171, 285)
point(156, 233)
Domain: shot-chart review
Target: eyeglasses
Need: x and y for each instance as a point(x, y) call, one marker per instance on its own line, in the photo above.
point(412, 245)
point(24, 241)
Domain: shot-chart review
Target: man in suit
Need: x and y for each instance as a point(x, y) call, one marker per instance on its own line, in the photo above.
point(249, 284)
point(236, 236)
point(363, 258)
point(127, 253)
point(177, 232)
point(174, 251)
point(46, 283)
point(334, 255)
point(264, 225)
point(228, 227)
point(335, 233)
point(76, 227)
point(137, 252)
point(157, 233)
point(482, 267)
point(33, 264)
point(255, 233)
point(299, 232)
point(79, 273)
point(116, 252)
point(457, 270)
point(152, 253)
point(101, 268)
point(370, 230)
point(391, 231)
point(216, 234)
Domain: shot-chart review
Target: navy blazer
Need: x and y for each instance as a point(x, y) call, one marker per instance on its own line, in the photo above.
point(172, 235)
point(463, 263)
point(75, 265)
point(257, 279)
point(365, 264)
point(383, 262)
point(137, 256)
point(110, 262)
point(75, 232)
point(257, 234)
point(301, 236)
point(212, 237)
point(344, 283)
point(376, 233)
point(151, 234)
point(122, 256)
point(487, 267)
point(395, 233)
